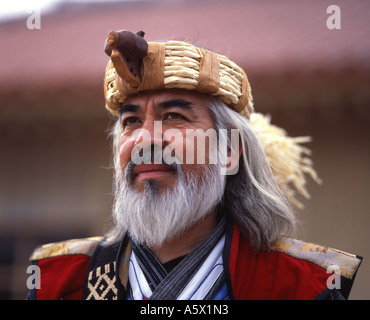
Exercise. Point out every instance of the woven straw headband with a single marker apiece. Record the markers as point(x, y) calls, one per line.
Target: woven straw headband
point(168, 65)
point(136, 65)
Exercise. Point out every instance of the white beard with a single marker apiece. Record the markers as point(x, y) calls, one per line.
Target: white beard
point(151, 217)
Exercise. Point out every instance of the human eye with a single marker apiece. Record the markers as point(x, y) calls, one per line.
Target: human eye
point(174, 116)
point(130, 121)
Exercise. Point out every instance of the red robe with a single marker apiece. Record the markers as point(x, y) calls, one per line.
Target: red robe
point(292, 269)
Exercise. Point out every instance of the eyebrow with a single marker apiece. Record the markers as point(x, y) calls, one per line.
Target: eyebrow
point(128, 108)
point(176, 103)
point(165, 105)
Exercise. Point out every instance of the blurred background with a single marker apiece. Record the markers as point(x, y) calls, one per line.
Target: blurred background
point(55, 156)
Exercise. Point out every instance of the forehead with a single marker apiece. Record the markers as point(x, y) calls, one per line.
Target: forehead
point(156, 97)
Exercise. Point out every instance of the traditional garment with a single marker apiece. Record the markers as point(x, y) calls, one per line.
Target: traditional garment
point(293, 269)
point(197, 276)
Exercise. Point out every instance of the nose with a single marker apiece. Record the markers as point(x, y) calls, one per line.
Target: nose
point(149, 143)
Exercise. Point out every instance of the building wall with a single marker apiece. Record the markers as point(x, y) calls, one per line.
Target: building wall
point(337, 215)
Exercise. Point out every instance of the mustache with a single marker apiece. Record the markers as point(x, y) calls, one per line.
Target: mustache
point(151, 155)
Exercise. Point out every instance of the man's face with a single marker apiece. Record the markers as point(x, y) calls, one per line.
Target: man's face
point(140, 117)
point(156, 200)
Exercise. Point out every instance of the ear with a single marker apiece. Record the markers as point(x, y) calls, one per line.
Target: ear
point(233, 155)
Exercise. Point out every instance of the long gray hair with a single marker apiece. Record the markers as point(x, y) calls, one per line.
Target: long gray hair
point(252, 197)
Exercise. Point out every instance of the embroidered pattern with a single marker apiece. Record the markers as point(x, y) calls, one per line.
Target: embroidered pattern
point(101, 283)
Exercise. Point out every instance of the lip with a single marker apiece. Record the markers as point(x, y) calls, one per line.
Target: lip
point(151, 170)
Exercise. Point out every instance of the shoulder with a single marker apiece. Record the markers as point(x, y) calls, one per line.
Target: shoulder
point(291, 269)
point(328, 259)
point(84, 246)
point(313, 270)
point(63, 267)
point(329, 268)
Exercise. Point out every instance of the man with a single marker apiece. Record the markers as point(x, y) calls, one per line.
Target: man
point(202, 191)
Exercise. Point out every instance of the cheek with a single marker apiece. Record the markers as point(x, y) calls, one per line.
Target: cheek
point(126, 144)
point(200, 149)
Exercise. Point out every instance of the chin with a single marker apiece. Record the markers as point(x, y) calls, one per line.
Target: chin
point(157, 185)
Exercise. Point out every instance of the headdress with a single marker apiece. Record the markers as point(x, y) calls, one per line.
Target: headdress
point(136, 65)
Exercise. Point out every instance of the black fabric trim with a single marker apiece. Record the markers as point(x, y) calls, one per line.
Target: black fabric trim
point(121, 291)
point(346, 284)
point(330, 294)
point(102, 256)
point(85, 291)
point(226, 257)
